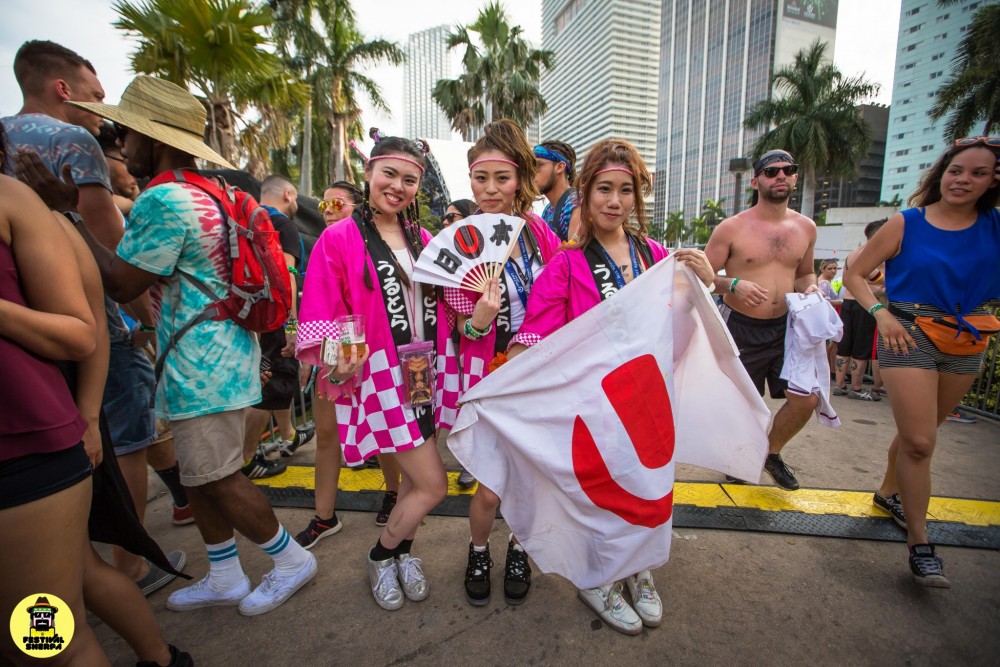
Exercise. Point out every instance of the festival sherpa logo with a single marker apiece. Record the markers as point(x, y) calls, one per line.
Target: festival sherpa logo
point(38, 628)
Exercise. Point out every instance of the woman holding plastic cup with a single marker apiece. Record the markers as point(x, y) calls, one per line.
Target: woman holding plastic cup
point(363, 266)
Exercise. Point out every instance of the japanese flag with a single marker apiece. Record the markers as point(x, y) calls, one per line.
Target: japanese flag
point(580, 434)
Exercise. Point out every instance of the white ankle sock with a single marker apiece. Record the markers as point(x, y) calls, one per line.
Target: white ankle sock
point(224, 569)
point(288, 555)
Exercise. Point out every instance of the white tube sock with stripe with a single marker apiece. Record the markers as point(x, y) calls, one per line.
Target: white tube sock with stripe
point(288, 555)
point(224, 569)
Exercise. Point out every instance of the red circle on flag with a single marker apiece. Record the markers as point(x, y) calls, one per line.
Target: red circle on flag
point(469, 242)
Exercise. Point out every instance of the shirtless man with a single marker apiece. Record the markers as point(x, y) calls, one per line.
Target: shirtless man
point(767, 251)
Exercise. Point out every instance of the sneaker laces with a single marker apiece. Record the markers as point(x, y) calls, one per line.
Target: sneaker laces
point(269, 581)
point(615, 600)
point(645, 589)
point(780, 464)
point(410, 569)
point(387, 578)
point(479, 563)
point(927, 564)
point(517, 565)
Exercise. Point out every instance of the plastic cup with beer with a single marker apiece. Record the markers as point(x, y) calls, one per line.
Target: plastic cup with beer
point(352, 332)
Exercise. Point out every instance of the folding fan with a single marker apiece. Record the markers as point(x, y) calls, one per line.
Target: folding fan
point(469, 253)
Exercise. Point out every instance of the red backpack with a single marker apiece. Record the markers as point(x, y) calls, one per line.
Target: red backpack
point(260, 292)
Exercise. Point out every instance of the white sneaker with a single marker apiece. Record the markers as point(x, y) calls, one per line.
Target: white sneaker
point(609, 604)
point(200, 594)
point(645, 598)
point(385, 583)
point(411, 577)
point(275, 588)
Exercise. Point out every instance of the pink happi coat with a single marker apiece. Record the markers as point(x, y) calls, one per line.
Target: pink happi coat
point(475, 355)
point(371, 417)
point(563, 292)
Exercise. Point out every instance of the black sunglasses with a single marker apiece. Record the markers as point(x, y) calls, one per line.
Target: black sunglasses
point(452, 217)
point(771, 172)
point(121, 131)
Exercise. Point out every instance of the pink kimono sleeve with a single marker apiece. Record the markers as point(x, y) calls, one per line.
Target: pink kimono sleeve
point(548, 307)
point(322, 299)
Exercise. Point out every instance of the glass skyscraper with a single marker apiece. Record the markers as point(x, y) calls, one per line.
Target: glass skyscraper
point(427, 60)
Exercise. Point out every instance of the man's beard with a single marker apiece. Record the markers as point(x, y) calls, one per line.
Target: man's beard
point(547, 188)
point(772, 197)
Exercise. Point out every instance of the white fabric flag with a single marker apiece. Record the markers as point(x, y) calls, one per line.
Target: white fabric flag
point(579, 435)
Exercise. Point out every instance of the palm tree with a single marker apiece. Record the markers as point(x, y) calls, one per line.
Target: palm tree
point(501, 78)
point(713, 212)
point(674, 228)
point(972, 92)
point(814, 116)
point(215, 46)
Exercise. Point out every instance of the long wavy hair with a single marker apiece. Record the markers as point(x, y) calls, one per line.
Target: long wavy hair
point(929, 190)
point(609, 153)
point(505, 136)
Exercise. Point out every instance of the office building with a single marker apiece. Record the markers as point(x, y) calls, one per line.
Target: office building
point(427, 60)
point(605, 80)
point(865, 187)
point(928, 39)
point(716, 62)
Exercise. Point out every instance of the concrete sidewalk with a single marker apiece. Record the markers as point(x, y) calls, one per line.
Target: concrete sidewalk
point(730, 597)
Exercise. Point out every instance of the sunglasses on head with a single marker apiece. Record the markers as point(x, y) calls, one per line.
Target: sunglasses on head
point(452, 217)
point(771, 172)
point(993, 142)
point(335, 204)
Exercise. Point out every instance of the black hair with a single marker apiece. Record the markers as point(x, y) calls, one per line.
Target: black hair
point(465, 206)
point(107, 137)
point(38, 61)
point(873, 227)
point(349, 188)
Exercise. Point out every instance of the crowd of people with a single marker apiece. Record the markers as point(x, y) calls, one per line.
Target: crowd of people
point(127, 330)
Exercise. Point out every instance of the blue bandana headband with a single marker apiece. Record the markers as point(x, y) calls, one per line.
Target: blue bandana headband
point(769, 158)
point(550, 155)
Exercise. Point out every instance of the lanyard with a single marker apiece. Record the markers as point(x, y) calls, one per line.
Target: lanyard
point(528, 276)
point(615, 271)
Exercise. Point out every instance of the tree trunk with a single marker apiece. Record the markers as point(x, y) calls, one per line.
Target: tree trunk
point(305, 165)
point(808, 192)
point(339, 166)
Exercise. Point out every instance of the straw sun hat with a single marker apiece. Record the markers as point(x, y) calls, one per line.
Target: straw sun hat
point(162, 111)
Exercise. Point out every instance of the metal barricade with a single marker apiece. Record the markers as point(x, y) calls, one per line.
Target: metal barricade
point(984, 396)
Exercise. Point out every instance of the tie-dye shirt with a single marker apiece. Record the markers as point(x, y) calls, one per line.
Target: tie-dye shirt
point(216, 365)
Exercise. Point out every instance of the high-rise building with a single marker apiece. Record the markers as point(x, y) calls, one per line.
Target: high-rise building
point(427, 60)
point(863, 188)
point(716, 62)
point(928, 39)
point(604, 81)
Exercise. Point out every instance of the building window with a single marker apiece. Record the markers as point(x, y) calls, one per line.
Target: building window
point(915, 10)
point(935, 75)
point(943, 17)
point(911, 47)
point(898, 186)
point(567, 15)
point(924, 165)
point(924, 149)
point(943, 35)
point(970, 7)
point(908, 66)
point(915, 28)
point(905, 151)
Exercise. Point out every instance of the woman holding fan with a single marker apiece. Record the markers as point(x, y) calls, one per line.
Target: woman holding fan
point(502, 169)
point(362, 266)
point(611, 253)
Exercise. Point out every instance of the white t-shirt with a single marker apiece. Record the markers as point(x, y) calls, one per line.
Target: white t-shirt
point(413, 295)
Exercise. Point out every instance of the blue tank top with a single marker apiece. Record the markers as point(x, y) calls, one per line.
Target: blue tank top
point(953, 270)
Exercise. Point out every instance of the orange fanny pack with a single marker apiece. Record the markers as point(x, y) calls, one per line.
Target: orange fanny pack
point(944, 333)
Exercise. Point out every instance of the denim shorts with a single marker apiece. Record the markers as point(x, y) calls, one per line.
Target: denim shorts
point(128, 399)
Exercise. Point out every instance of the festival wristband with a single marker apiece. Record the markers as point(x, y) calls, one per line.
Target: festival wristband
point(144, 328)
point(292, 326)
point(732, 285)
point(873, 309)
point(292, 270)
point(474, 334)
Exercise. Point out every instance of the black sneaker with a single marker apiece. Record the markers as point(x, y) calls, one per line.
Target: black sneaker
point(388, 502)
point(259, 467)
point(780, 473)
point(477, 576)
point(734, 480)
point(516, 575)
point(287, 447)
point(466, 480)
point(317, 530)
point(893, 506)
point(927, 566)
point(178, 658)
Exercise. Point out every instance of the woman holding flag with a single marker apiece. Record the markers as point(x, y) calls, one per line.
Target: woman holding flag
point(502, 169)
point(611, 252)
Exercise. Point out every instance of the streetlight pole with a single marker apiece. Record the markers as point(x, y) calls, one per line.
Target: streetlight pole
point(737, 166)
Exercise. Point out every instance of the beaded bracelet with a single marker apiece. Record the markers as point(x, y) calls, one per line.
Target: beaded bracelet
point(472, 333)
point(732, 285)
point(292, 270)
point(873, 309)
point(292, 326)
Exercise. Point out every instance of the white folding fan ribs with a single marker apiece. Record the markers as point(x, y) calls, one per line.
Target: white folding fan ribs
point(469, 253)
